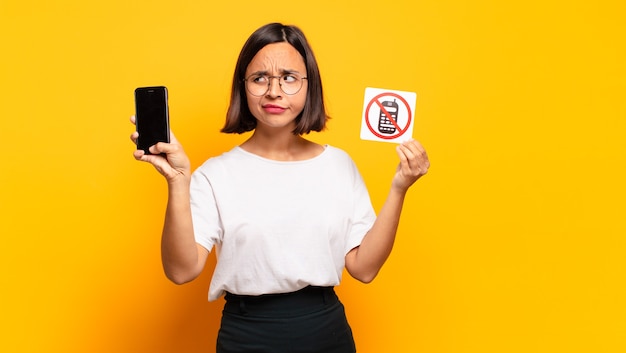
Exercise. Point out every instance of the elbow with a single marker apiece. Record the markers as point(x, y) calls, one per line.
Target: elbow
point(179, 278)
point(365, 277)
point(181, 272)
point(178, 281)
point(362, 272)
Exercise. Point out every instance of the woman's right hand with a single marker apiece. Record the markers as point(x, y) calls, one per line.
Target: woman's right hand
point(174, 165)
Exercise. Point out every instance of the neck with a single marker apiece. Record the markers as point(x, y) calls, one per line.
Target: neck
point(281, 147)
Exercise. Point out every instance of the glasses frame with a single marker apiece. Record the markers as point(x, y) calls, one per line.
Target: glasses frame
point(269, 83)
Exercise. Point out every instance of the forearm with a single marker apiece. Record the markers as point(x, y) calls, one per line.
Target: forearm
point(179, 252)
point(364, 262)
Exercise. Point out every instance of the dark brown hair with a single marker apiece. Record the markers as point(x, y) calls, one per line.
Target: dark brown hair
point(313, 117)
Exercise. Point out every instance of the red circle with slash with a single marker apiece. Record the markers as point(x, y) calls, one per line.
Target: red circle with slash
point(400, 130)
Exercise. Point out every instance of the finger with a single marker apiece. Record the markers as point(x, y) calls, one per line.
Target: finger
point(421, 151)
point(155, 150)
point(417, 150)
point(162, 147)
point(134, 136)
point(415, 155)
point(409, 150)
point(404, 159)
point(153, 157)
point(422, 155)
point(139, 154)
point(406, 154)
point(413, 145)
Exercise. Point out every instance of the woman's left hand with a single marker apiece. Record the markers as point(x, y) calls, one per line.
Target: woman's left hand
point(413, 164)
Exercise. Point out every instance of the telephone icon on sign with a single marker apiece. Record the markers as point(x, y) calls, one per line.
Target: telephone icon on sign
point(385, 125)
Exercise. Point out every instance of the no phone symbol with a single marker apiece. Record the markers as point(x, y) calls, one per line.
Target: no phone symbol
point(388, 116)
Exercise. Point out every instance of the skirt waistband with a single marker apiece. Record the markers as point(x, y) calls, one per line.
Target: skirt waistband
point(306, 300)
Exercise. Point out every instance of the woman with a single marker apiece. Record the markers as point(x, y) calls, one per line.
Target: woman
point(286, 215)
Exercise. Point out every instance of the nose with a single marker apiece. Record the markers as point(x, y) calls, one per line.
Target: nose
point(273, 90)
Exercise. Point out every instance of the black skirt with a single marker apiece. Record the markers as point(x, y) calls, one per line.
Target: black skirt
point(310, 320)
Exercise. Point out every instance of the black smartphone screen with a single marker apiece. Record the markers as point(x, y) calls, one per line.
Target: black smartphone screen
point(152, 116)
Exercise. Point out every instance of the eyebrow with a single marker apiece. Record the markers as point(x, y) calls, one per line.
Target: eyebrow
point(282, 72)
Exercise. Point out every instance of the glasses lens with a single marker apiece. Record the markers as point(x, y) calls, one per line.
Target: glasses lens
point(290, 84)
point(259, 85)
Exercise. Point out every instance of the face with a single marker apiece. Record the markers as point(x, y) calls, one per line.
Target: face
point(275, 108)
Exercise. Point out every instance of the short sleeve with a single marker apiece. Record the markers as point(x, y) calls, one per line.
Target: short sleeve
point(363, 216)
point(207, 226)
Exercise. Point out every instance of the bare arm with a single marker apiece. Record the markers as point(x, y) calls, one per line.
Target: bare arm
point(364, 261)
point(183, 259)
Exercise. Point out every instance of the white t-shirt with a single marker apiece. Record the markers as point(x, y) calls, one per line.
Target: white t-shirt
point(278, 226)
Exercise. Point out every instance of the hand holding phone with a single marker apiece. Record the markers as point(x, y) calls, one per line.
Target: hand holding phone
point(152, 124)
point(152, 116)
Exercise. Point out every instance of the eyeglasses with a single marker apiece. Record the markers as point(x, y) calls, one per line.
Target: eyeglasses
point(257, 85)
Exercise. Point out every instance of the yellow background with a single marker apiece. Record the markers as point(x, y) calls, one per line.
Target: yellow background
point(514, 242)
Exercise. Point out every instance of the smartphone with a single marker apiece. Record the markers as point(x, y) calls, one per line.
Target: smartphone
point(385, 126)
point(151, 116)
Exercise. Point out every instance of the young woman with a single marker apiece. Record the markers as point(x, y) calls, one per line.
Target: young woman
point(285, 215)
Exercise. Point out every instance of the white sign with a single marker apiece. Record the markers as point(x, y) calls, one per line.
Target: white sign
point(387, 115)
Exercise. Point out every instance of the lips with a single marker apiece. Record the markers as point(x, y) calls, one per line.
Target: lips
point(273, 109)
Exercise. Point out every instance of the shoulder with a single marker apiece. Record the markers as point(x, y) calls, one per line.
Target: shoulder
point(337, 153)
point(340, 160)
point(339, 156)
point(226, 160)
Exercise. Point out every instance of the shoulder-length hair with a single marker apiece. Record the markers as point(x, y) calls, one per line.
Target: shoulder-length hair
point(313, 117)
